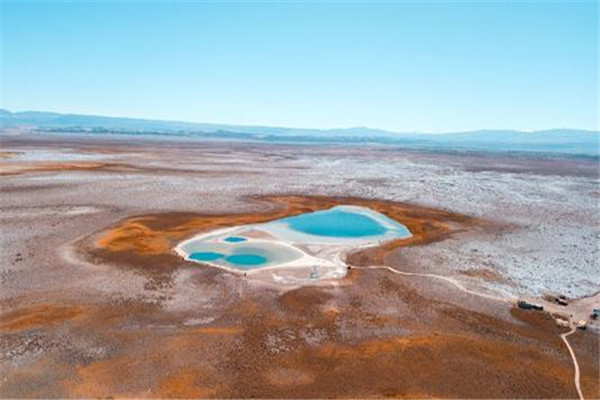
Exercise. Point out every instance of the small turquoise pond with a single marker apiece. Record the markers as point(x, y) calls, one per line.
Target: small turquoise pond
point(337, 223)
point(246, 259)
point(206, 256)
point(235, 239)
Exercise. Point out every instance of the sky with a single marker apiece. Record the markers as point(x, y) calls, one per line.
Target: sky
point(404, 66)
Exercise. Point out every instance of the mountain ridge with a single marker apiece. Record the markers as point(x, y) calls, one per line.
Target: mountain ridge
point(570, 141)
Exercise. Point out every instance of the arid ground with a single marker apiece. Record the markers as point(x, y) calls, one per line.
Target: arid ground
point(96, 304)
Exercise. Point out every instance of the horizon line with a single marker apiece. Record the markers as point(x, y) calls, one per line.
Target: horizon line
point(259, 125)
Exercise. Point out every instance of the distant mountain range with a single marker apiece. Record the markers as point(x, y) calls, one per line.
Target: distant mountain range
point(566, 141)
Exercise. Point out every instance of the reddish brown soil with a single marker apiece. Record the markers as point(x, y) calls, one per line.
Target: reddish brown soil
point(484, 273)
point(587, 348)
point(451, 354)
point(375, 335)
point(18, 168)
point(40, 315)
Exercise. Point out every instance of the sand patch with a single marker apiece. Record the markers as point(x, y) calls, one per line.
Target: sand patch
point(216, 330)
point(8, 154)
point(185, 384)
point(289, 377)
point(488, 275)
point(38, 316)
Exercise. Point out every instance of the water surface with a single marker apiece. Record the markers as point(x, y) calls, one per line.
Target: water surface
point(206, 256)
point(336, 222)
point(246, 259)
point(235, 239)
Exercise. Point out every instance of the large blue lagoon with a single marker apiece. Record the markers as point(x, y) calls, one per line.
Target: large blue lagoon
point(341, 222)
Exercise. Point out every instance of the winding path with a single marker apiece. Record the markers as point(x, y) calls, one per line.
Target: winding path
point(564, 339)
point(452, 281)
point(459, 286)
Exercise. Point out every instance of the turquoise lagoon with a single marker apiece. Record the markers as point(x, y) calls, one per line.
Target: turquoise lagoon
point(205, 256)
point(345, 226)
point(246, 255)
point(341, 225)
point(247, 260)
point(235, 239)
point(343, 222)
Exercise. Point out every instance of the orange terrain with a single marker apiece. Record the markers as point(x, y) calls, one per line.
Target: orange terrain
point(372, 334)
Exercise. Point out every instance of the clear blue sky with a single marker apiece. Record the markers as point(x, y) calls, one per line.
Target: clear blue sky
point(402, 66)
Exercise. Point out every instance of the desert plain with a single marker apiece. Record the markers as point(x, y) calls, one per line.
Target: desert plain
point(95, 303)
